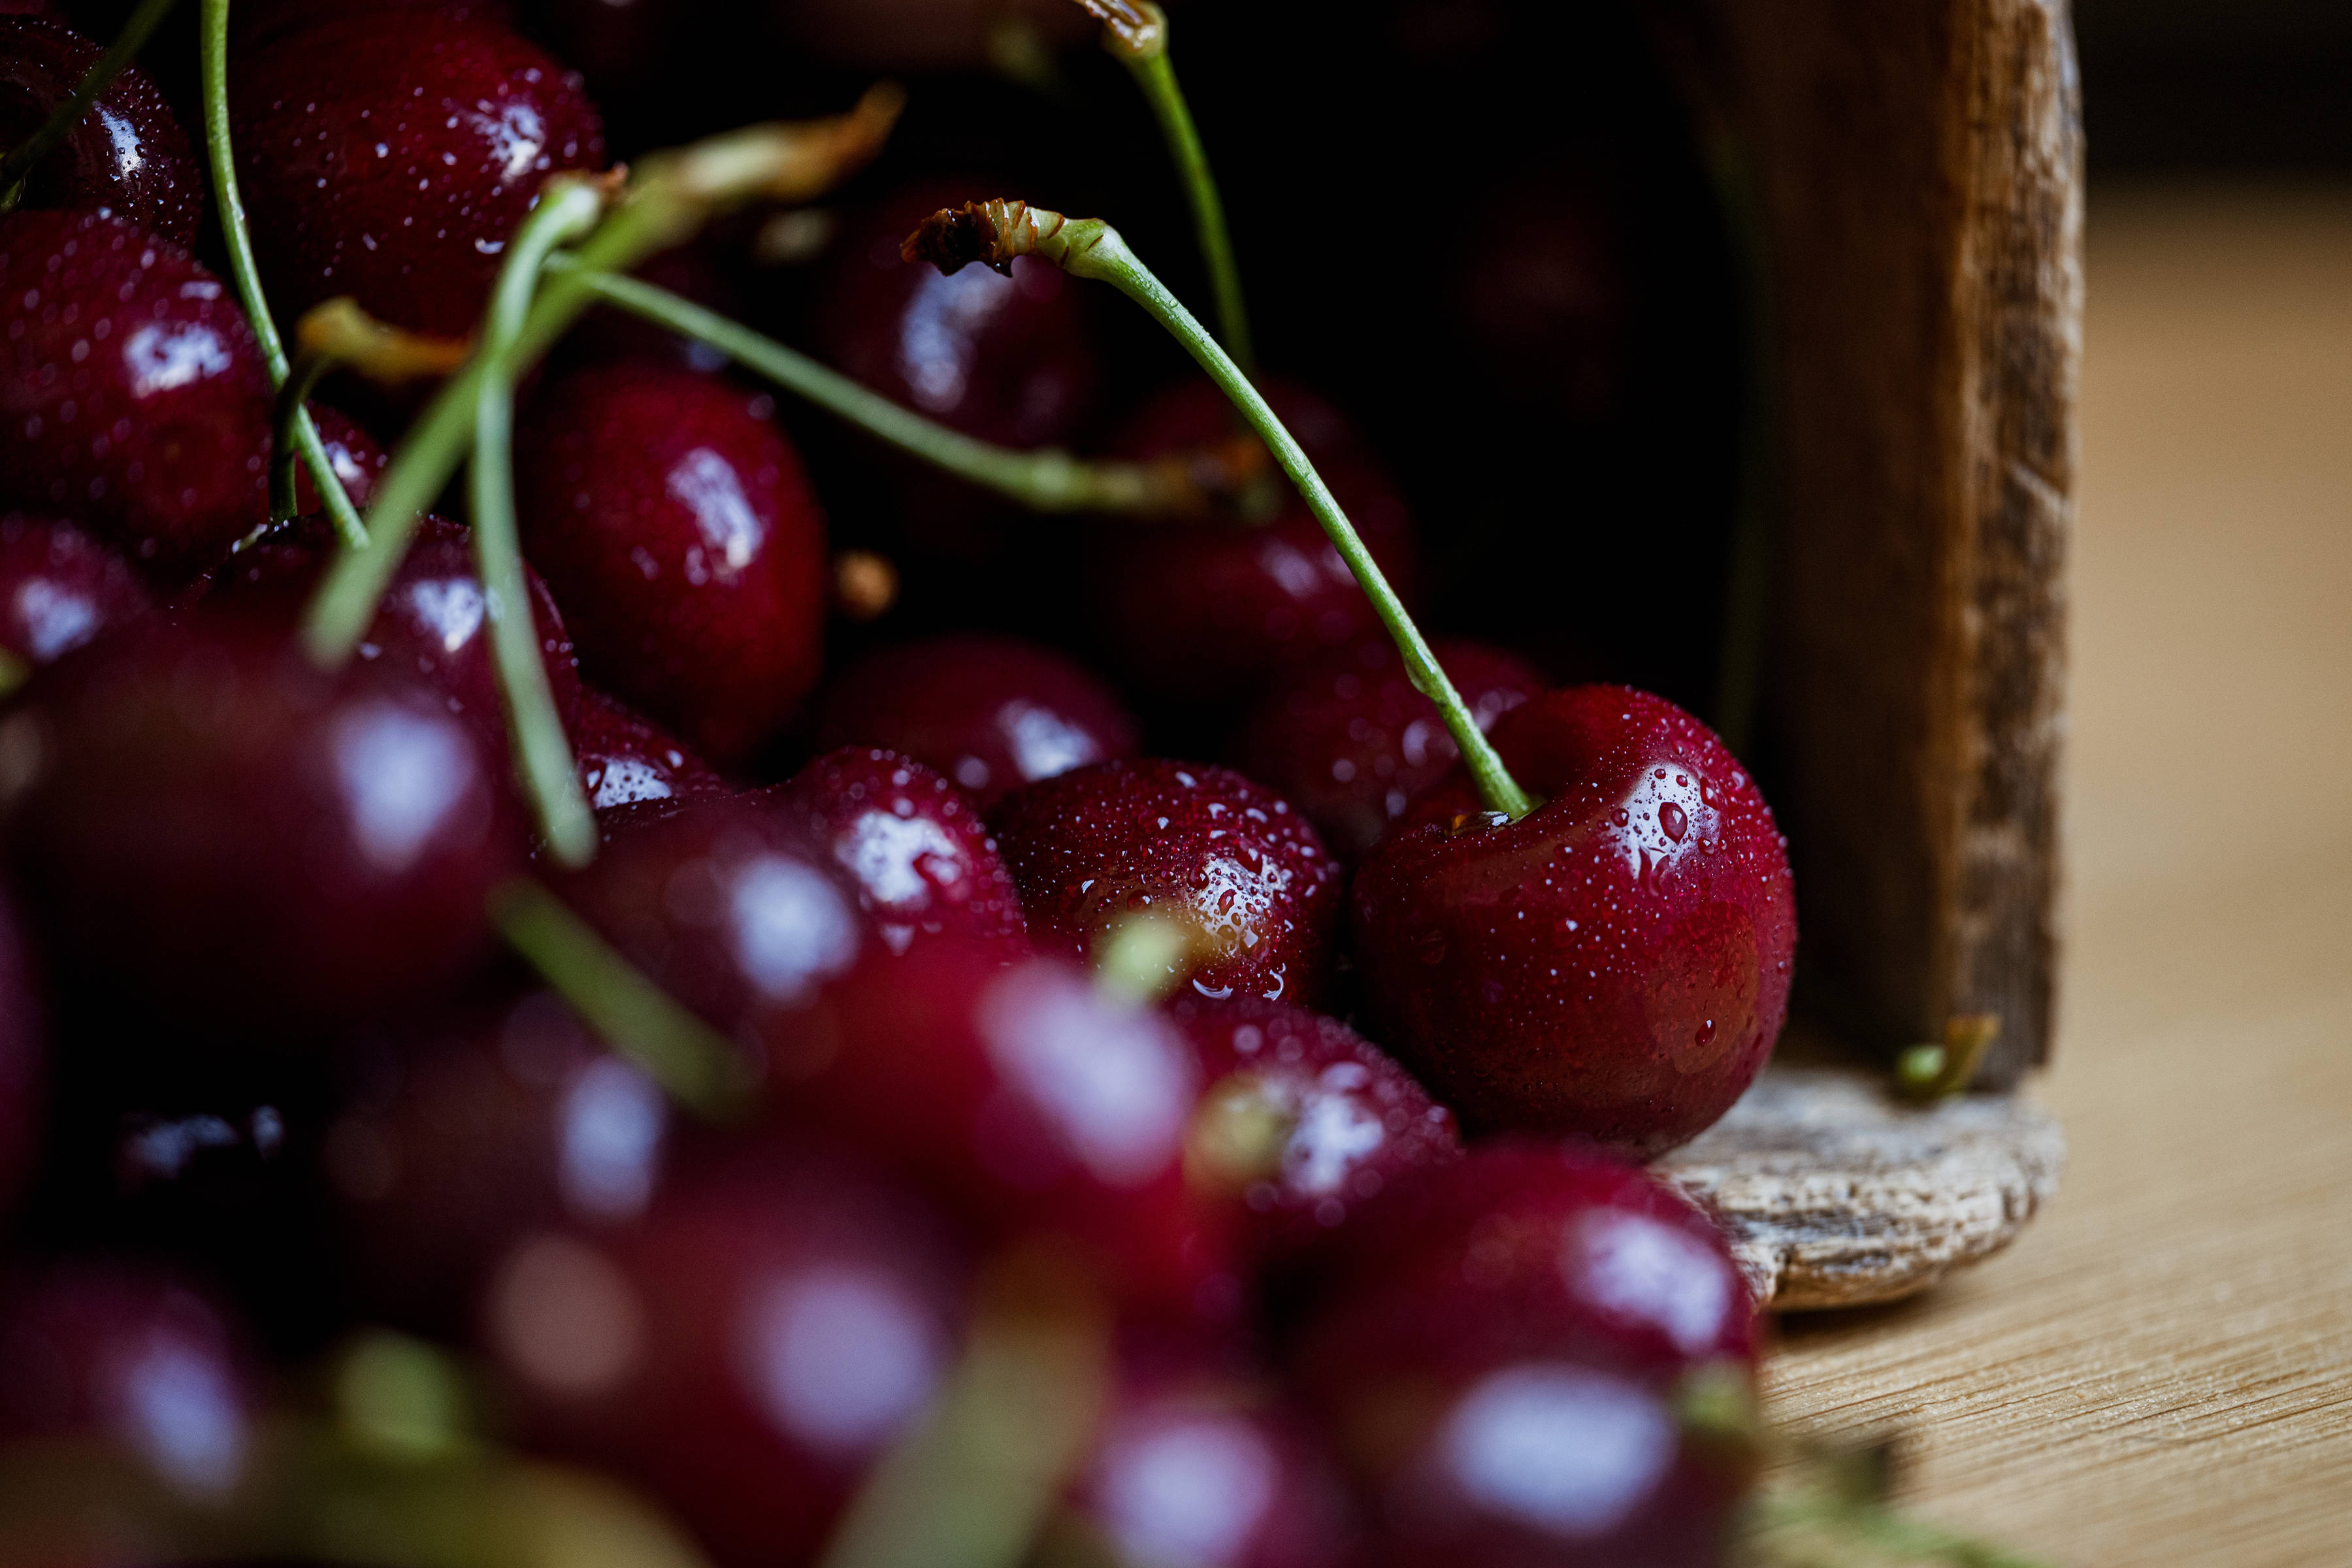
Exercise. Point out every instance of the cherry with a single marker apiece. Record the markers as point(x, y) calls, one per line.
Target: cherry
point(205, 823)
point(1207, 609)
point(1499, 1356)
point(468, 1132)
point(745, 1349)
point(993, 713)
point(674, 523)
point(135, 1356)
point(725, 904)
point(22, 1058)
point(910, 847)
point(1205, 1471)
point(1349, 740)
point(1025, 1099)
point(127, 158)
point(59, 588)
point(1200, 844)
point(387, 157)
point(1304, 1120)
point(1615, 964)
point(625, 759)
point(432, 625)
point(1004, 359)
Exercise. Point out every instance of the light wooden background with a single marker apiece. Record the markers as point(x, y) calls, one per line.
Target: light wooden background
point(2160, 1372)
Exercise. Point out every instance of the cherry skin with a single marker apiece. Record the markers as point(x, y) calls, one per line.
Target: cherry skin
point(1026, 1100)
point(910, 847)
point(1199, 844)
point(675, 525)
point(468, 1132)
point(220, 831)
point(1304, 1120)
point(744, 1350)
point(431, 626)
point(1204, 610)
point(59, 588)
point(1498, 1357)
point(991, 714)
point(134, 1355)
point(127, 157)
point(1350, 741)
point(1616, 963)
point(388, 157)
point(626, 759)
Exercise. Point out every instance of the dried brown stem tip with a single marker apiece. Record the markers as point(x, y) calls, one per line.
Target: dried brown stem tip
point(1138, 28)
point(994, 232)
point(340, 334)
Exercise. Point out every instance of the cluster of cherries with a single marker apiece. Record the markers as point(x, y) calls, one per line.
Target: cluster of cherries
point(250, 973)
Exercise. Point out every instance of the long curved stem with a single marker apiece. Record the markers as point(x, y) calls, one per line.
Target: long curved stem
point(17, 167)
point(222, 153)
point(568, 208)
point(284, 445)
point(1045, 480)
point(998, 231)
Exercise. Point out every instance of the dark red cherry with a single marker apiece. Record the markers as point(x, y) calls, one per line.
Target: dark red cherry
point(127, 158)
point(674, 523)
point(1199, 844)
point(1615, 965)
point(358, 462)
point(24, 1054)
point(626, 759)
point(1206, 1470)
point(1004, 359)
point(59, 588)
point(431, 626)
point(467, 1132)
point(1304, 1120)
point(388, 156)
point(726, 904)
point(744, 1350)
point(205, 823)
point(910, 847)
point(991, 714)
point(1348, 740)
point(1024, 1098)
point(1207, 609)
point(134, 1356)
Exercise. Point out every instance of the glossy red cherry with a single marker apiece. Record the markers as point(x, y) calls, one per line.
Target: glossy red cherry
point(465, 1133)
point(1207, 1471)
point(388, 157)
point(431, 626)
point(1304, 1120)
point(1196, 843)
point(1348, 740)
point(215, 828)
point(1616, 963)
point(724, 903)
point(1207, 609)
point(626, 759)
point(675, 526)
point(59, 588)
point(744, 1350)
point(127, 158)
point(993, 713)
point(1026, 1100)
point(910, 847)
point(134, 1356)
point(1498, 1357)
point(24, 1054)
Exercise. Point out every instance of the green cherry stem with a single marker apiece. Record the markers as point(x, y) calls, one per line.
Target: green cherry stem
point(669, 196)
point(1136, 31)
point(697, 1066)
point(222, 155)
point(998, 231)
point(1045, 479)
point(17, 167)
point(569, 206)
point(285, 433)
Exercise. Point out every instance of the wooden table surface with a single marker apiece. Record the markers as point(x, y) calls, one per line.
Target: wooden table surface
point(2161, 1370)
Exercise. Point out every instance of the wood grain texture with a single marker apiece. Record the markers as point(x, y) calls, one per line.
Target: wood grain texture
point(2161, 1371)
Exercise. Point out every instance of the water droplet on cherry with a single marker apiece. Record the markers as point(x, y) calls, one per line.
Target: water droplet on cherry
point(1674, 821)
